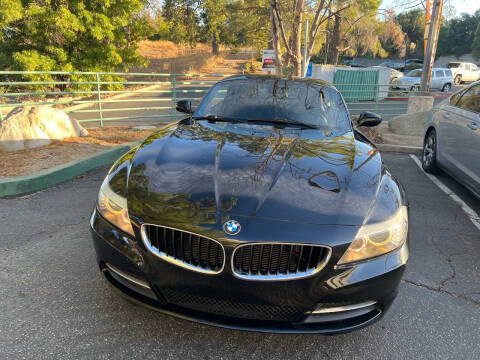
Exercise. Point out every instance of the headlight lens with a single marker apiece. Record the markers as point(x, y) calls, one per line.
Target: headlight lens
point(378, 238)
point(113, 207)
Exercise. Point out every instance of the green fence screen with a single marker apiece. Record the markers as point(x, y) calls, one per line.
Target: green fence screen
point(357, 85)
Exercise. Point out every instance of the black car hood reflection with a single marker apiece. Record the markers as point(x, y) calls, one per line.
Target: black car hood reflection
point(205, 173)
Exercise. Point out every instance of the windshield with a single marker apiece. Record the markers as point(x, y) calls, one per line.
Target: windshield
point(278, 100)
point(453, 65)
point(415, 73)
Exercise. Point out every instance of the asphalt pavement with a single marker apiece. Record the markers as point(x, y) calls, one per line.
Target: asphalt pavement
point(56, 305)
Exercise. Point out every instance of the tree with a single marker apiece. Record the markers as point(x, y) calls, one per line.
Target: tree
point(393, 40)
point(248, 23)
point(413, 25)
point(476, 44)
point(73, 35)
point(227, 22)
point(183, 19)
point(318, 12)
point(214, 17)
point(354, 29)
point(457, 34)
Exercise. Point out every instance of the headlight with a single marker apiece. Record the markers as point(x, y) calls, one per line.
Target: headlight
point(377, 239)
point(385, 228)
point(113, 207)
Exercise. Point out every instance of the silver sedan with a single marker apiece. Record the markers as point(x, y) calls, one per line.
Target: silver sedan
point(452, 138)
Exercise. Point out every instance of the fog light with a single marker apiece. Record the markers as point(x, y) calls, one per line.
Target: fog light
point(337, 309)
point(129, 281)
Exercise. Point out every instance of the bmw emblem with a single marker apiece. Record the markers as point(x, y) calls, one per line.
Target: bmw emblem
point(232, 227)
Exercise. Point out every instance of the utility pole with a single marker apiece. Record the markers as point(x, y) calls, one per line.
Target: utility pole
point(432, 44)
point(428, 19)
point(305, 46)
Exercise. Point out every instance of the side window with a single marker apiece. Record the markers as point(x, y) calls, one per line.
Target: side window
point(467, 66)
point(470, 100)
point(448, 72)
point(455, 97)
point(474, 67)
point(439, 73)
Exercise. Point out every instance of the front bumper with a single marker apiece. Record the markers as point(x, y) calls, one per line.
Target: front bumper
point(404, 87)
point(332, 301)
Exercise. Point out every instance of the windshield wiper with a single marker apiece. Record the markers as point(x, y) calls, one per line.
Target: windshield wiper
point(219, 118)
point(241, 120)
point(284, 122)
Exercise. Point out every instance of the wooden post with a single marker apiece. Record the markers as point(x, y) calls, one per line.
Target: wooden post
point(432, 44)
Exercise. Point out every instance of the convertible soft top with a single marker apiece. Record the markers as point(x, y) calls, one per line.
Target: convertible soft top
point(272, 77)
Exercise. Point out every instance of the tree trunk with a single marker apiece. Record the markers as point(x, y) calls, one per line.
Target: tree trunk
point(276, 40)
point(335, 40)
point(215, 49)
point(296, 36)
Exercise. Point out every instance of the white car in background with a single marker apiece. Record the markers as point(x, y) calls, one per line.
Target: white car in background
point(464, 72)
point(394, 74)
point(392, 65)
point(442, 79)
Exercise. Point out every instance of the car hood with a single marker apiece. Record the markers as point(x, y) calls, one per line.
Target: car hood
point(206, 173)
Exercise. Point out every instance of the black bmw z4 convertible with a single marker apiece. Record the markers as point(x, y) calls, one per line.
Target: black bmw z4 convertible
point(264, 209)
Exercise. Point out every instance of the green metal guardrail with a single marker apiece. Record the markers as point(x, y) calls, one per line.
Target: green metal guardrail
point(109, 96)
point(101, 96)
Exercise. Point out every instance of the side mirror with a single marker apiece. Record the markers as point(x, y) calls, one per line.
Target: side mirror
point(369, 119)
point(184, 106)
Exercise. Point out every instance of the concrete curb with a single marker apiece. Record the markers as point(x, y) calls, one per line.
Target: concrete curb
point(417, 150)
point(53, 176)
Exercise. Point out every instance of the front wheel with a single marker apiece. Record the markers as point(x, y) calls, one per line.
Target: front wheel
point(447, 87)
point(458, 80)
point(429, 156)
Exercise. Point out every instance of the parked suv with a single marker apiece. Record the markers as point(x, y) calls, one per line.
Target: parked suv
point(464, 72)
point(441, 79)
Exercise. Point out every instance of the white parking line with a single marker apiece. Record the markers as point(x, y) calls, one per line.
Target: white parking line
point(472, 215)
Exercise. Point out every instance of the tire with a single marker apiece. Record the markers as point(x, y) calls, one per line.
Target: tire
point(447, 87)
point(458, 79)
point(415, 88)
point(429, 154)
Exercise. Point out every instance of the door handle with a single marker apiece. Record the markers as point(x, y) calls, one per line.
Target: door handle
point(472, 126)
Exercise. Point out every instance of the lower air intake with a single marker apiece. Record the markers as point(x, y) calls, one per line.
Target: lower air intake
point(229, 308)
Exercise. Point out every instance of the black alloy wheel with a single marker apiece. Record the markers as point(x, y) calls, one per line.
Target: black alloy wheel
point(429, 156)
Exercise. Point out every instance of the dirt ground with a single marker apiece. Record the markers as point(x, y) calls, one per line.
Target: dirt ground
point(31, 161)
point(372, 134)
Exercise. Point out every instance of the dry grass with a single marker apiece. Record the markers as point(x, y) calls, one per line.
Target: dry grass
point(167, 57)
point(162, 49)
point(31, 161)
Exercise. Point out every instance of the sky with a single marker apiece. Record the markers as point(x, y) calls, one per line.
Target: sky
point(452, 8)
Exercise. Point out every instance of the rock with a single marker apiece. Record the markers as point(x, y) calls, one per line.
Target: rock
point(33, 126)
point(409, 124)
